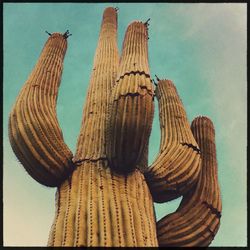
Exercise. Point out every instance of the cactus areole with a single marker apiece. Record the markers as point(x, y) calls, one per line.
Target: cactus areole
point(106, 191)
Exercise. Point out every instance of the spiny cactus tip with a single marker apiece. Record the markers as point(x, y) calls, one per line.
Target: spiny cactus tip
point(146, 23)
point(47, 32)
point(66, 34)
point(157, 78)
point(154, 82)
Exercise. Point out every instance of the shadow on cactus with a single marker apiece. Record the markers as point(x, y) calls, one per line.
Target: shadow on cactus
point(106, 191)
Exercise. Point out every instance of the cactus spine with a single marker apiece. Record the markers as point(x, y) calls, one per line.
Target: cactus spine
point(105, 193)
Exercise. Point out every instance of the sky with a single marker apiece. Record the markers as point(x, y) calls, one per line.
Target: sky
point(201, 47)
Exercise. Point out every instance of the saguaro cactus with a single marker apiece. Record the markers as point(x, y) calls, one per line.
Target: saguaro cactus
point(106, 192)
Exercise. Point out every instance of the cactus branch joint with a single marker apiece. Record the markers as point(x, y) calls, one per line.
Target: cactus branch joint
point(106, 191)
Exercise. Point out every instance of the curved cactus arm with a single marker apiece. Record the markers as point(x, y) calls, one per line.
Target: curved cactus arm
point(197, 219)
point(177, 165)
point(34, 131)
point(130, 115)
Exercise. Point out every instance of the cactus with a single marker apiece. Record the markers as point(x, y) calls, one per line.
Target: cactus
point(34, 131)
point(105, 193)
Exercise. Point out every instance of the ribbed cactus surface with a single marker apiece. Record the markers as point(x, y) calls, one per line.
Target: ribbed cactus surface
point(96, 207)
point(130, 112)
point(105, 193)
point(34, 132)
point(177, 166)
point(197, 219)
point(102, 80)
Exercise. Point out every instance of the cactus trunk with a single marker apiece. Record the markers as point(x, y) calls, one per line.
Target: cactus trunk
point(96, 207)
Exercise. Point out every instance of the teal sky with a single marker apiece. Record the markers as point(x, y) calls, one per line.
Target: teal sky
point(200, 47)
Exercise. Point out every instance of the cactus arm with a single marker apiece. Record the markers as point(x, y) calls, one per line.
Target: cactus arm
point(34, 132)
point(197, 219)
point(102, 79)
point(177, 166)
point(130, 115)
